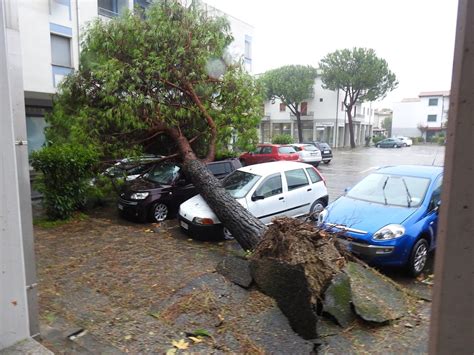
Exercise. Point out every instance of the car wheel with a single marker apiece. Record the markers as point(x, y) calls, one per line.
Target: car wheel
point(404, 144)
point(327, 162)
point(227, 234)
point(159, 212)
point(418, 257)
point(316, 165)
point(377, 146)
point(316, 208)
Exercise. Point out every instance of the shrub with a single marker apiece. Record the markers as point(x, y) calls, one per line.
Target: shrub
point(377, 139)
point(418, 140)
point(226, 154)
point(441, 139)
point(282, 139)
point(66, 174)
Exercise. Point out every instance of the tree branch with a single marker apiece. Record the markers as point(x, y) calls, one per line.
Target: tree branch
point(211, 153)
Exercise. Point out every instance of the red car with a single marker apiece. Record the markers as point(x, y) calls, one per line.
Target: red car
point(269, 152)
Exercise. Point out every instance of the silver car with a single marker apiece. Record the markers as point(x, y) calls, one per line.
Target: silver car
point(308, 153)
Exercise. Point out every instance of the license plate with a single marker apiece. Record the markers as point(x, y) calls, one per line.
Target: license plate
point(184, 225)
point(120, 207)
point(313, 154)
point(326, 152)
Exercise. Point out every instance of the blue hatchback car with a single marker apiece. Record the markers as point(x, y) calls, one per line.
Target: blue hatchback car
point(390, 217)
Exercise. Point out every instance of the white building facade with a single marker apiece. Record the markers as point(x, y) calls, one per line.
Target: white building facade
point(323, 119)
point(429, 110)
point(50, 32)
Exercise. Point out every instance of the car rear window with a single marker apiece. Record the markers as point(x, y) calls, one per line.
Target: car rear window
point(295, 179)
point(310, 148)
point(324, 146)
point(219, 168)
point(286, 150)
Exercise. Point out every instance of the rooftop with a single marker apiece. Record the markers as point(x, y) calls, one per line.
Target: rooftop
point(273, 167)
point(433, 93)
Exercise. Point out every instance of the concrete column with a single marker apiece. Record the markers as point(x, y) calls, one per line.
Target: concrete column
point(14, 322)
point(452, 316)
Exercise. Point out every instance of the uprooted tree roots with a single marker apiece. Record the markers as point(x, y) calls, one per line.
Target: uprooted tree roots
point(305, 270)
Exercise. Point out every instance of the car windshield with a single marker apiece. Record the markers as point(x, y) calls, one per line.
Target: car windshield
point(163, 174)
point(310, 148)
point(394, 190)
point(239, 183)
point(286, 150)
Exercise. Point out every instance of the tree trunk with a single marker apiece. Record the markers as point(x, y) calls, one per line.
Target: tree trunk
point(300, 130)
point(245, 227)
point(351, 126)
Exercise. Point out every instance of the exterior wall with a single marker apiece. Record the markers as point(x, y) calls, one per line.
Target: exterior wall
point(408, 114)
point(324, 110)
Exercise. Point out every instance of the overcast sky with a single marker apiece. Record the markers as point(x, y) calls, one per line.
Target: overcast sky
point(416, 37)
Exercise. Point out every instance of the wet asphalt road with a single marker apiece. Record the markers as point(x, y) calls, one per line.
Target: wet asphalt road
point(349, 166)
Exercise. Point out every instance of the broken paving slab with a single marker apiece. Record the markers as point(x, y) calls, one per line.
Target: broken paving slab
point(236, 270)
point(374, 299)
point(337, 300)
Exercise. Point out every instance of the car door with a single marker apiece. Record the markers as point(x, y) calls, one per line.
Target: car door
point(299, 194)
point(318, 187)
point(268, 200)
point(431, 224)
point(266, 155)
point(182, 190)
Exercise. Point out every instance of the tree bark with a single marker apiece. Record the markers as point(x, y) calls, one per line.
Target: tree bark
point(245, 227)
point(300, 130)
point(351, 126)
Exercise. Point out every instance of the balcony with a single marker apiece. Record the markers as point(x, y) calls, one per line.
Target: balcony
point(304, 116)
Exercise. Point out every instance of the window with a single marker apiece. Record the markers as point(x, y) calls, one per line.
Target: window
point(304, 108)
point(296, 179)
point(433, 102)
point(111, 8)
point(219, 168)
point(266, 150)
point(248, 49)
point(432, 118)
point(436, 196)
point(321, 99)
point(239, 183)
point(61, 51)
point(35, 127)
point(270, 187)
point(286, 150)
point(282, 107)
point(313, 175)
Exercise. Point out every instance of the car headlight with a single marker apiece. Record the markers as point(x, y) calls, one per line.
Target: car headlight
point(199, 220)
point(322, 216)
point(139, 195)
point(388, 232)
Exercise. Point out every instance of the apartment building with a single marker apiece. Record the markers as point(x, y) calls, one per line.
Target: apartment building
point(323, 118)
point(429, 110)
point(50, 32)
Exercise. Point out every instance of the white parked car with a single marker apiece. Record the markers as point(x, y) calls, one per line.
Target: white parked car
point(407, 142)
point(267, 190)
point(308, 153)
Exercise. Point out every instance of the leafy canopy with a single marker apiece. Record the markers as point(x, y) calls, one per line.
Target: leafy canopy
point(144, 76)
point(291, 84)
point(359, 73)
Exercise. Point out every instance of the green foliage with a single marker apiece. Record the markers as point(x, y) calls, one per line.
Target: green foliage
point(358, 72)
point(417, 140)
point(66, 172)
point(137, 77)
point(387, 124)
point(291, 84)
point(282, 139)
point(47, 224)
point(377, 139)
point(226, 154)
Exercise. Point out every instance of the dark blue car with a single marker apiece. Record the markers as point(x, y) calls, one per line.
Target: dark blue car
point(390, 217)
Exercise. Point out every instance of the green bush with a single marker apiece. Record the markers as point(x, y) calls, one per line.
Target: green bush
point(226, 154)
point(441, 139)
point(417, 140)
point(282, 139)
point(377, 139)
point(66, 175)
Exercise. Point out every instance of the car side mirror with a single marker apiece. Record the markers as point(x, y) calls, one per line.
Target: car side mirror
point(438, 205)
point(257, 197)
point(347, 189)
